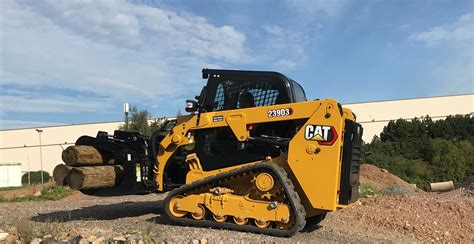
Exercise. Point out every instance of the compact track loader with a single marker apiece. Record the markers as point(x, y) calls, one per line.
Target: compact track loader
point(253, 155)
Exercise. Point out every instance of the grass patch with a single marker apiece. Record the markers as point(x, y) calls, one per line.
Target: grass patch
point(54, 192)
point(367, 190)
point(10, 188)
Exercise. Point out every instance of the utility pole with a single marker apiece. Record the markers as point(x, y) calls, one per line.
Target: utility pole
point(28, 165)
point(41, 154)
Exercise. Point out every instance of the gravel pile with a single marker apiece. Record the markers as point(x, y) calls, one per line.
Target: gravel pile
point(380, 178)
point(447, 217)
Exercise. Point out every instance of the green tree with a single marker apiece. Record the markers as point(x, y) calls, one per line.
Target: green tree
point(423, 151)
point(138, 121)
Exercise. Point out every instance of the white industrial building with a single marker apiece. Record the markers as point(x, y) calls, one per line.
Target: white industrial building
point(23, 145)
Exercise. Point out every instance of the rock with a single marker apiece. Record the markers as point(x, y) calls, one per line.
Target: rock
point(384, 170)
point(36, 241)
point(10, 239)
point(195, 241)
point(91, 238)
point(135, 239)
point(3, 236)
point(37, 194)
point(79, 240)
point(99, 240)
point(158, 239)
point(203, 241)
point(119, 238)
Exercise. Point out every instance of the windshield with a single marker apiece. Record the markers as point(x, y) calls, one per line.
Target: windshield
point(298, 91)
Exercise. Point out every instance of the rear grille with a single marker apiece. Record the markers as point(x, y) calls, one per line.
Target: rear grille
point(351, 158)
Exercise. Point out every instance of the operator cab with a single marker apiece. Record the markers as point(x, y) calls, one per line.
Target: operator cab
point(236, 89)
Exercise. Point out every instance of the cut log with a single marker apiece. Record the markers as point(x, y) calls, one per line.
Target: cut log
point(94, 177)
point(60, 173)
point(442, 186)
point(82, 156)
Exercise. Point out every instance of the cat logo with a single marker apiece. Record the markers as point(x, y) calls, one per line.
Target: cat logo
point(323, 134)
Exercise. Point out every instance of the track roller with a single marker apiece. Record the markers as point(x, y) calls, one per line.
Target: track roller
point(261, 223)
point(219, 218)
point(240, 220)
point(199, 213)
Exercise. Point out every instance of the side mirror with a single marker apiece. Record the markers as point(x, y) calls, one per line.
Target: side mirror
point(191, 106)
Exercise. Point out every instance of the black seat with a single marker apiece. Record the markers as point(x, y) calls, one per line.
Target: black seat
point(246, 100)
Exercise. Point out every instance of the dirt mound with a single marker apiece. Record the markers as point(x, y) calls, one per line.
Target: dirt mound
point(380, 178)
point(76, 195)
point(447, 217)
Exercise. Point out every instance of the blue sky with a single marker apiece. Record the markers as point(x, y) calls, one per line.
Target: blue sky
point(65, 62)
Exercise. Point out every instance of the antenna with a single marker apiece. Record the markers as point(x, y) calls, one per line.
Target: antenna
point(126, 109)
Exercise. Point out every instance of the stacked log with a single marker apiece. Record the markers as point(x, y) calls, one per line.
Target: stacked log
point(60, 173)
point(85, 156)
point(87, 168)
point(94, 177)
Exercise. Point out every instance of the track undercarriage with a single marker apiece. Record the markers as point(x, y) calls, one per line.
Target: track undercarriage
point(259, 198)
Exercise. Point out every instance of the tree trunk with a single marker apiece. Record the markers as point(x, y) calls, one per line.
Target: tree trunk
point(94, 177)
point(82, 156)
point(60, 173)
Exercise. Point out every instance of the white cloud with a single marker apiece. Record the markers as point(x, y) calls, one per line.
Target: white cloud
point(113, 49)
point(460, 30)
point(454, 73)
point(292, 44)
point(125, 24)
point(116, 51)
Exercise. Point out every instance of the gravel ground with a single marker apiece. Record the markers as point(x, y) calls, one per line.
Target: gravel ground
point(117, 216)
point(416, 217)
point(429, 217)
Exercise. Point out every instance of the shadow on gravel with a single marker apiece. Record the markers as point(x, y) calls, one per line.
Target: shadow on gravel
point(103, 212)
point(310, 228)
point(159, 219)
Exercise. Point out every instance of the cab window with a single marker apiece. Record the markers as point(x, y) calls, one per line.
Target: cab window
point(235, 94)
point(298, 91)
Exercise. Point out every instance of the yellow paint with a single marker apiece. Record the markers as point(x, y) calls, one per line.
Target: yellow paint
point(233, 206)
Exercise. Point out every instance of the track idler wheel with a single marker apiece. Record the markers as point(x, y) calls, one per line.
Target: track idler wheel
point(264, 182)
point(240, 220)
point(174, 205)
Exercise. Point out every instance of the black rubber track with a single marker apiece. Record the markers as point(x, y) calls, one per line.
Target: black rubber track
point(295, 203)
